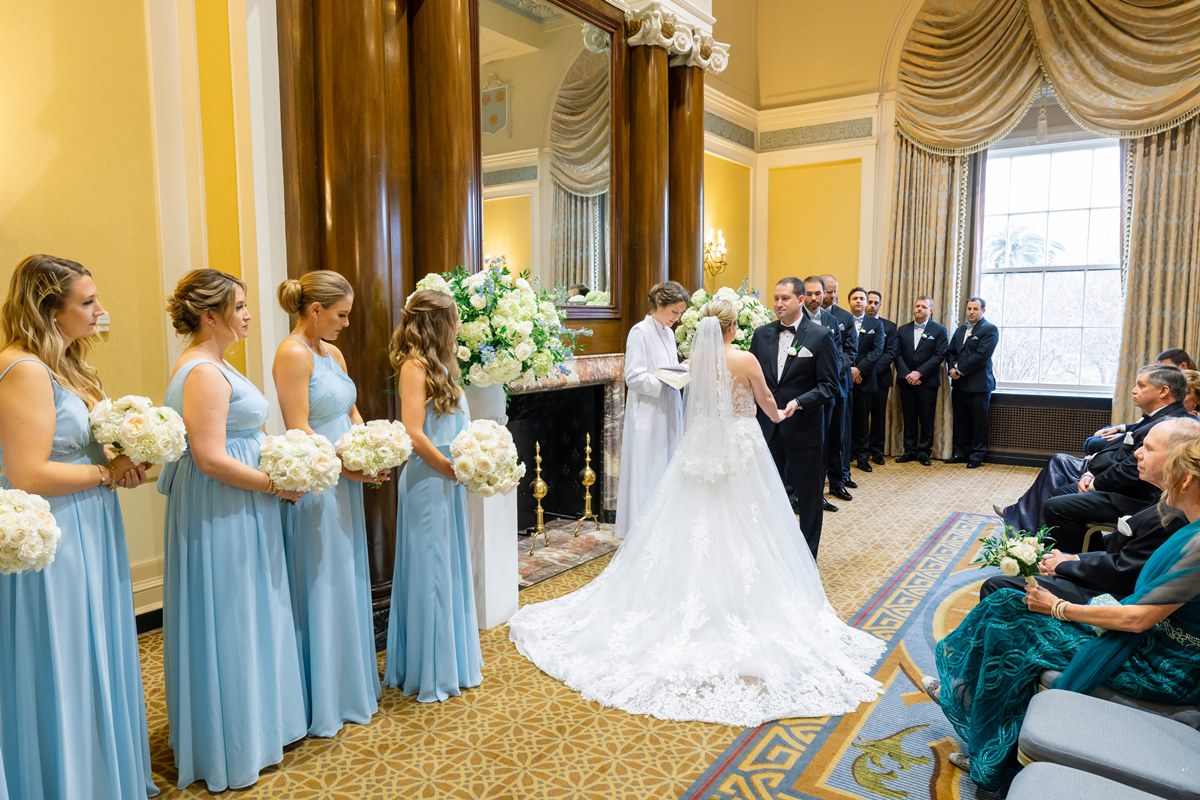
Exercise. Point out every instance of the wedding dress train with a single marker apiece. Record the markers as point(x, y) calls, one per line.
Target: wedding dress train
point(712, 608)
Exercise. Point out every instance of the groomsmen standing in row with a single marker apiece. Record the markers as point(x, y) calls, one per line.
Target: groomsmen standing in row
point(814, 295)
point(971, 384)
point(837, 464)
point(884, 378)
point(922, 350)
point(864, 374)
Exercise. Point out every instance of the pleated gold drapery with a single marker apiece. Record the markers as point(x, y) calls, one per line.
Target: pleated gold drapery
point(1128, 68)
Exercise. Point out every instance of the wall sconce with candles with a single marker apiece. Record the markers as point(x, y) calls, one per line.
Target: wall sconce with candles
point(714, 253)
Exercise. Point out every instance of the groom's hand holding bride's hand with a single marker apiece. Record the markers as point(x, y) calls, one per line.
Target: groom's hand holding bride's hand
point(787, 411)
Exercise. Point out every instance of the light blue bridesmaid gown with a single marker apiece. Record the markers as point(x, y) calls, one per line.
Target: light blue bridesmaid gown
point(433, 633)
point(232, 668)
point(72, 710)
point(325, 537)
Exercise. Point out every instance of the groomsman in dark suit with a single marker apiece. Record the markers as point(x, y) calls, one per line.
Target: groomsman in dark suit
point(864, 374)
point(922, 349)
point(799, 363)
point(837, 440)
point(813, 309)
point(884, 378)
point(971, 384)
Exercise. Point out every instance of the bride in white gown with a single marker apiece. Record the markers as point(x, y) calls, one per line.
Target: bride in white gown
point(712, 608)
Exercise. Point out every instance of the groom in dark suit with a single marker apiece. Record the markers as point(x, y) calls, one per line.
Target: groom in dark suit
point(922, 349)
point(800, 364)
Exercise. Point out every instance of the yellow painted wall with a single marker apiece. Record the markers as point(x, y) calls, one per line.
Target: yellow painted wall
point(727, 207)
point(508, 230)
point(77, 179)
point(813, 221)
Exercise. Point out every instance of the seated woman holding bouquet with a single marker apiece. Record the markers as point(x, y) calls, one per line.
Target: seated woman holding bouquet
point(1148, 647)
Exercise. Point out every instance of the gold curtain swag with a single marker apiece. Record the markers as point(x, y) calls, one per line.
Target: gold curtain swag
point(970, 70)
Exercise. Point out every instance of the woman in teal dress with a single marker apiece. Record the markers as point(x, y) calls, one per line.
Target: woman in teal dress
point(988, 667)
point(234, 696)
point(72, 710)
point(433, 634)
point(325, 535)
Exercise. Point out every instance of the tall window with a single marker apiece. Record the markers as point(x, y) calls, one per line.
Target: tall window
point(1049, 264)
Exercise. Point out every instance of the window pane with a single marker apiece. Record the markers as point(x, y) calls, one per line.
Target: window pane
point(1106, 180)
point(1018, 357)
point(1067, 237)
point(1062, 299)
point(1059, 355)
point(1026, 242)
point(1030, 184)
point(1103, 305)
point(1104, 237)
point(1100, 356)
point(991, 289)
point(995, 186)
point(1071, 179)
point(995, 238)
point(1023, 299)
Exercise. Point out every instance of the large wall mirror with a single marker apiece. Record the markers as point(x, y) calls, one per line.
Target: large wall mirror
point(550, 140)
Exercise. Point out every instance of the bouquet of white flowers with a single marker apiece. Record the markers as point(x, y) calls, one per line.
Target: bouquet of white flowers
point(751, 314)
point(1015, 552)
point(300, 462)
point(485, 459)
point(141, 430)
point(374, 447)
point(509, 330)
point(29, 533)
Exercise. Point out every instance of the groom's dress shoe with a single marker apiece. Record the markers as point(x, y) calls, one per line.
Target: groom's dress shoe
point(955, 460)
point(828, 505)
point(840, 493)
point(924, 461)
point(906, 458)
point(974, 464)
point(864, 465)
point(878, 460)
point(850, 484)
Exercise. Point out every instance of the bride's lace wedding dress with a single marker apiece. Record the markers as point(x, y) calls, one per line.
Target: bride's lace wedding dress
point(712, 608)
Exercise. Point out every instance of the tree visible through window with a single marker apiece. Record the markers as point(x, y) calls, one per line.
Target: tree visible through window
point(1049, 264)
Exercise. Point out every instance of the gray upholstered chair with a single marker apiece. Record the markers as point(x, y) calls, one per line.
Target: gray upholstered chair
point(1188, 715)
point(1141, 750)
point(1042, 780)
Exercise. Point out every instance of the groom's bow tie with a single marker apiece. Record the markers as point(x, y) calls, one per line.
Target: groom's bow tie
point(791, 328)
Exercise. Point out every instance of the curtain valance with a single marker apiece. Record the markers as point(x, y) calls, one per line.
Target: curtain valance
point(970, 70)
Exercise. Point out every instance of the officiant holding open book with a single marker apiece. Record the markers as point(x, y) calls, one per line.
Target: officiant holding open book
point(653, 409)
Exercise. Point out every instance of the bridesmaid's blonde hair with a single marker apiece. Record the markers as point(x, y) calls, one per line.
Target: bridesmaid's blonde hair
point(40, 286)
point(323, 286)
point(724, 310)
point(428, 335)
point(199, 291)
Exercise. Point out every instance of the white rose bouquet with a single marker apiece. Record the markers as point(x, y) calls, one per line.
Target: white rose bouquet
point(751, 314)
point(1015, 552)
point(29, 533)
point(510, 331)
point(300, 462)
point(372, 448)
point(144, 432)
point(485, 459)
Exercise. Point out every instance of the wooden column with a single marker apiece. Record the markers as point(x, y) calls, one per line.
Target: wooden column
point(685, 215)
point(648, 167)
point(447, 185)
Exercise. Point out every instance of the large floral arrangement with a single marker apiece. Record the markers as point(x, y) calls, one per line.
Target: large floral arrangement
point(510, 331)
point(374, 447)
point(136, 427)
point(485, 459)
point(1015, 552)
point(29, 533)
point(300, 462)
point(751, 314)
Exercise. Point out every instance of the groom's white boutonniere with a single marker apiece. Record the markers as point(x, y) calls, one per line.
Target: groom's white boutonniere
point(924, 335)
point(791, 351)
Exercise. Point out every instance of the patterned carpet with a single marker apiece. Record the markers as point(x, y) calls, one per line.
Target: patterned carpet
point(523, 736)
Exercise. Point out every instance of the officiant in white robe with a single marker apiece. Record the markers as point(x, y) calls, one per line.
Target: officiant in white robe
point(653, 410)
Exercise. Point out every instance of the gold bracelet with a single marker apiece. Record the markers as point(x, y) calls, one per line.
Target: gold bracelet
point(1056, 610)
point(107, 478)
point(272, 489)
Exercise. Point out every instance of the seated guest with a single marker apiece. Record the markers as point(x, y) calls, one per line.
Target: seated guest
point(1079, 578)
point(1110, 487)
point(988, 667)
point(1175, 356)
point(1064, 469)
point(1191, 400)
point(580, 289)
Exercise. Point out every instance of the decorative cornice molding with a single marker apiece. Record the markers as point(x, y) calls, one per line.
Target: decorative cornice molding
point(655, 27)
point(729, 131)
point(532, 9)
point(725, 106)
point(822, 133)
point(501, 177)
point(709, 55)
point(511, 160)
point(693, 13)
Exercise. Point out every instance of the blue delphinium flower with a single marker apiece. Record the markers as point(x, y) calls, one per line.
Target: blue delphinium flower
point(487, 353)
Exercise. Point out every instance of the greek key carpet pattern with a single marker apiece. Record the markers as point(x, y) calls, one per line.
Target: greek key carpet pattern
point(522, 735)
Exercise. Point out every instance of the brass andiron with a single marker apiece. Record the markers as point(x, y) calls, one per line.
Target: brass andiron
point(587, 478)
point(538, 489)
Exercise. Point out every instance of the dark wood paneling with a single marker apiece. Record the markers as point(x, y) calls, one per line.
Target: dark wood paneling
point(685, 220)
point(648, 165)
point(301, 185)
point(608, 335)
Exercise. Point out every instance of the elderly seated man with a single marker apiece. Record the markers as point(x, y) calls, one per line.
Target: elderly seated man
point(1158, 392)
point(1079, 578)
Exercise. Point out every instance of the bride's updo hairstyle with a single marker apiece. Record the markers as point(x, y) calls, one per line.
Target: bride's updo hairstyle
point(724, 310)
point(199, 291)
point(322, 286)
point(428, 334)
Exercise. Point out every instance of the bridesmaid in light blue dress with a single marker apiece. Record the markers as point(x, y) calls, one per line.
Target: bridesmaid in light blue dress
point(72, 710)
point(433, 635)
point(325, 535)
point(234, 696)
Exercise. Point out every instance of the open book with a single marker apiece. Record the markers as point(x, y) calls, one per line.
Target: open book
point(675, 377)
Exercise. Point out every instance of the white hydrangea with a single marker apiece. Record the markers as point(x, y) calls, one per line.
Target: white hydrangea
point(29, 534)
